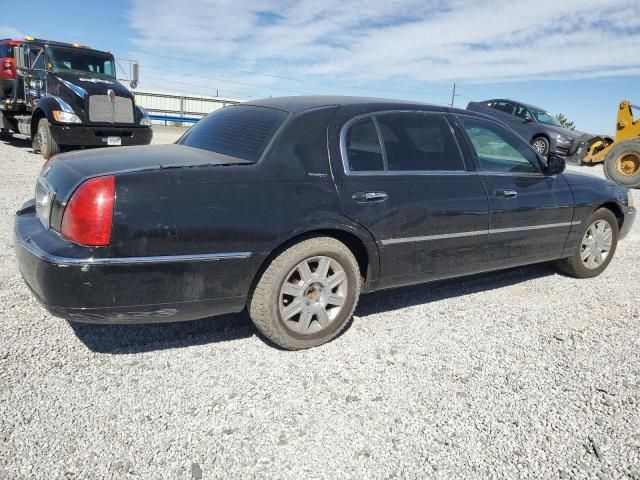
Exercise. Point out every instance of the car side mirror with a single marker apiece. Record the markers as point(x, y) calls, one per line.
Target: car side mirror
point(528, 120)
point(555, 164)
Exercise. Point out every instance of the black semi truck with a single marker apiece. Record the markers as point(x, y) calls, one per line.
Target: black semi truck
point(65, 96)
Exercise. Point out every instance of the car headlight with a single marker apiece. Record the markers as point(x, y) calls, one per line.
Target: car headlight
point(145, 121)
point(563, 139)
point(65, 117)
point(630, 198)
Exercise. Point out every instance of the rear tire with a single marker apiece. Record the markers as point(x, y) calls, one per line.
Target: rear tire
point(307, 294)
point(43, 141)
point(596, 247)
point(622, 164)
point(540, 145)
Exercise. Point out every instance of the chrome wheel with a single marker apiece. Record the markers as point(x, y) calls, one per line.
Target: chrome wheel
point(540, 146)
point(596, 244)
point(313, 295)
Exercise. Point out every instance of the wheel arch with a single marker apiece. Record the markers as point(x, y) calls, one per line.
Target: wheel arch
point(38, 114)
point(541, 134)
point(366, 252)
point(615, 208)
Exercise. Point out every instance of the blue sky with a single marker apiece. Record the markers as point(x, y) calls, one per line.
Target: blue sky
point(578, 57)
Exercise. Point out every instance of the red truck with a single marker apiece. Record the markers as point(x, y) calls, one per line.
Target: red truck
point(7, 66)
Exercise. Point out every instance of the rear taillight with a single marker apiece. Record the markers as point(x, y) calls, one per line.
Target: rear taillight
point(8, 68)
point(88, 215)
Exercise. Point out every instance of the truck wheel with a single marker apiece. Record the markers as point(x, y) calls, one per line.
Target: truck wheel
point(597, 245)
point(307, 294)
point(540, 145)
point(622, 164)
point(43, 141)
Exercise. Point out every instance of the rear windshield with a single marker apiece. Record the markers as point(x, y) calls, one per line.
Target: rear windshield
point(238, 131)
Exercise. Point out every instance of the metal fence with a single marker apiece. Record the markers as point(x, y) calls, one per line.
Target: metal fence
point(178, 109)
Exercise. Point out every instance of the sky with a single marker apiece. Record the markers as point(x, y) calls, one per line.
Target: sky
point(576, 57)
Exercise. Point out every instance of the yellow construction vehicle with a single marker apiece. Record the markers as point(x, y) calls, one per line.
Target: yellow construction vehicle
point(621, 155)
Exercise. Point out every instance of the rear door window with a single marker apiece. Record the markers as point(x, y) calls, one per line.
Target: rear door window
point(364, 152)
point(504, 107)
point(419, 142)
point(239, 131)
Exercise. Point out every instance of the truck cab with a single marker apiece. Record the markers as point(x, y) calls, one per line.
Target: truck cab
point(66, 96)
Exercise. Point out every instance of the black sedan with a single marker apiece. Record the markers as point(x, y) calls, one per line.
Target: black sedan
point(292, 207)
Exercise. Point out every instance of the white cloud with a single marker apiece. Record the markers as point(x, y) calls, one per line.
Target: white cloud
point(10, 32)
point(408, 40)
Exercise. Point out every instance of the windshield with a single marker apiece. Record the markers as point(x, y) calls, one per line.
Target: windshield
point(545, 117)
point(80, 60)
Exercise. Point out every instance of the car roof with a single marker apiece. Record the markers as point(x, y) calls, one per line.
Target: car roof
point(296, 104)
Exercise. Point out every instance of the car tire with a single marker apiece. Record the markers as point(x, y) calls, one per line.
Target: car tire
point(43, 141)
point(296, 301)
point(600, 233)
point(622, 163)
point(541, 145)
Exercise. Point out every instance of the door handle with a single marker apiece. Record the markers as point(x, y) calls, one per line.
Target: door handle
point(369, 197)
point(506, 193)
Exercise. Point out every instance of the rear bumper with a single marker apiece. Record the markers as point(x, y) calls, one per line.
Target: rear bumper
point(96, 136)
point(129, 290)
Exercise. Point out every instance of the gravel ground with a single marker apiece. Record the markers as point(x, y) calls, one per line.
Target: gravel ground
point(516, 374)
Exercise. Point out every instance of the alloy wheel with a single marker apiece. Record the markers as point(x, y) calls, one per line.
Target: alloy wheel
point(312, 295)
point(596, 244)
point(540, 146)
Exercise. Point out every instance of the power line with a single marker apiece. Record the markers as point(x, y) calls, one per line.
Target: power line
point(207, 88)
point(228, 81)
point(283, 77)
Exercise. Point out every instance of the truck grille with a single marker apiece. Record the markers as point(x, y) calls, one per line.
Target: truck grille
point(101, 109)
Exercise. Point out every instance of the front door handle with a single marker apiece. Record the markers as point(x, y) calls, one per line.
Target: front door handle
point(506, 193)
point(369, 197)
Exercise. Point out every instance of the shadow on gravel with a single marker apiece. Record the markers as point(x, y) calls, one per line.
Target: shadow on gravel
point(125, 339)
point(120, 339)
point(456, 287)
point(16, 141)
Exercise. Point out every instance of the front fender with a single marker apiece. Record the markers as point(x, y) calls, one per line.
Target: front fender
point(45, 108)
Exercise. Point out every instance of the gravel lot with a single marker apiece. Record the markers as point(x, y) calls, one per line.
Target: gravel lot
point(516, 374)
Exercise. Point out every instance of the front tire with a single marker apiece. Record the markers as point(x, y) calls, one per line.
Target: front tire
point(540, 145)
point(43, 141)
point(307, 294)
point(598, 243)
point(622, 164)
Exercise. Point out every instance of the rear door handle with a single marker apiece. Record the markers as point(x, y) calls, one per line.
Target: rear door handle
point(369, 197)
point(506, 193)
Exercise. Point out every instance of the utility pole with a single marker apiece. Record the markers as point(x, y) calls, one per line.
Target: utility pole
point(453, 95)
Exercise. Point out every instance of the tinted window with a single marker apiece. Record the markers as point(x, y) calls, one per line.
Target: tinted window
point(523, 113)
point(498, 149)
point(414, 141)
point(363, 147)
point(505, 107)
point(239, 131)
point(5, 51)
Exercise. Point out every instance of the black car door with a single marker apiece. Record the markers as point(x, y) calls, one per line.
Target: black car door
point(531, 213)
point(402, 176)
